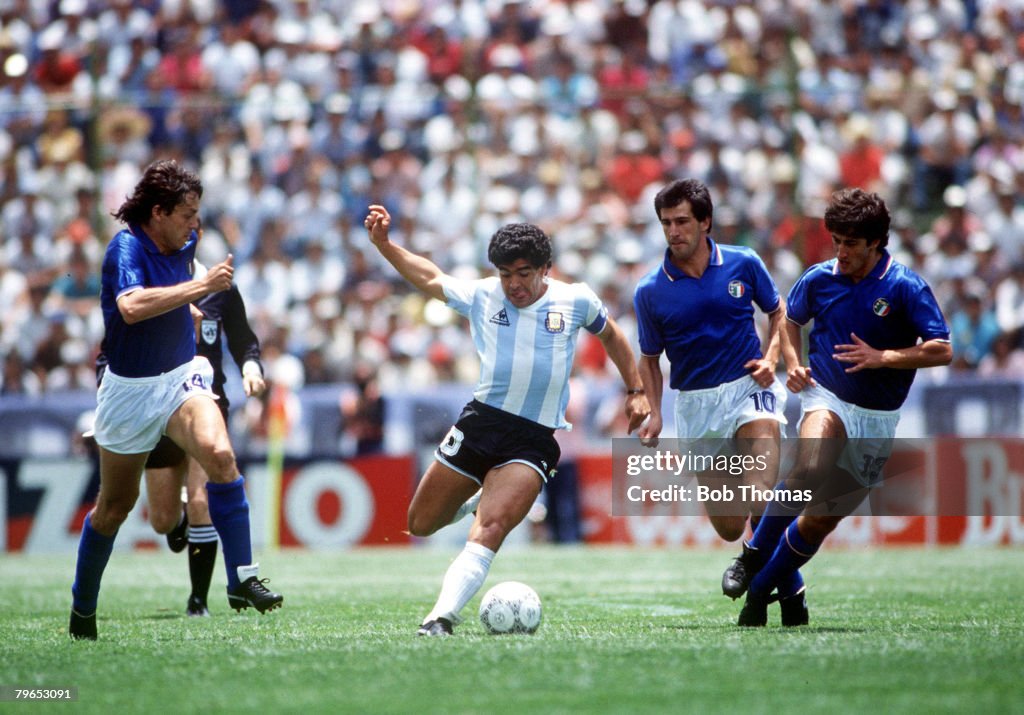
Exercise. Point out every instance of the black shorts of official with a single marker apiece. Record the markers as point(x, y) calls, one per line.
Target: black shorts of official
point(167, 453)
point(485, 437)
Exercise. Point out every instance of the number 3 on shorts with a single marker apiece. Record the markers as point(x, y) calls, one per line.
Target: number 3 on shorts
point(451, 442)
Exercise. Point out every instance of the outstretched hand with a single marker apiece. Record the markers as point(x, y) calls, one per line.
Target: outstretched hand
point(859, 353)
point(377, 223)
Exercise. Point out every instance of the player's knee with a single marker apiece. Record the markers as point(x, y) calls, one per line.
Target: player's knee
point(421, 524)
point(198, 508)
point(491, 532)
point(164, 521)
point(219, 464)
point(109, 514)
point(730, 528)
point(816, 528)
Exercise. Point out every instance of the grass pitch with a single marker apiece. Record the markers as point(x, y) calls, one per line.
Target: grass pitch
point(624, 631)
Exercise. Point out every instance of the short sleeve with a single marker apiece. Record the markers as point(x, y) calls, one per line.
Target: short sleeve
point(766, 295)
point(459, 293)
point(797, 304)
point(595, 315)
point(128, 260)
point(926, 315)
point(648, 330)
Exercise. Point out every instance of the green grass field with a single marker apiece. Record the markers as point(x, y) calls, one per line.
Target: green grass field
point(624, 631)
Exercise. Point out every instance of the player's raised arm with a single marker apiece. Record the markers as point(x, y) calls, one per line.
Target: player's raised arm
point(621, 354)
point(419, 271)
point(146, 303)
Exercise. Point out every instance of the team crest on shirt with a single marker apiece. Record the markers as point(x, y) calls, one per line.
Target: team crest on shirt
point(881, 307)
point(208, 331)
point(500, 318)
point(736, 289)
point(555, 322)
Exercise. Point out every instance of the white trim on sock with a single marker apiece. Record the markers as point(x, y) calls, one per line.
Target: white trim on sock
point(201, 534)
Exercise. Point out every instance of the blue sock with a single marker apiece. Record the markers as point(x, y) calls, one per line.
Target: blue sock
point(229, 512)
point(778, 514)
point(792, 553)
point(790, 584)
point(93, 553)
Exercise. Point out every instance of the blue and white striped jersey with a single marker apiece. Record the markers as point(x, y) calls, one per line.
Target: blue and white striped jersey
point(526, 353)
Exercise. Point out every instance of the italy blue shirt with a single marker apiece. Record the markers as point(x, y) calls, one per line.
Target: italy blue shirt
point(159, 344)
point(705, 325)
point(890, 308)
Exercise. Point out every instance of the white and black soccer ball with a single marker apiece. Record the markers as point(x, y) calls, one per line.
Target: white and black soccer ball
point(510, 607)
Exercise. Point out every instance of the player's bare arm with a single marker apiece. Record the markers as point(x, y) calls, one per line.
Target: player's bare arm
point(862, 356)
point(146, 303)
point(797, 376)
point(763, 369)
point(650, 374)
point(420, 272)
point(621, 355)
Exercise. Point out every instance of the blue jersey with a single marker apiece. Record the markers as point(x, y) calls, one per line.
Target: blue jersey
point(159, 344)
point(526, 353)
point(705, 325)
point(891, 308)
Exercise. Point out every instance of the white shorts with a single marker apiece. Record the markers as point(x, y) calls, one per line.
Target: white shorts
point(717, 412)
point(132, 412)
point(870, 433)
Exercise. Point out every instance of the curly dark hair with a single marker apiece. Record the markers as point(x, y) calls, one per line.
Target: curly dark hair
point(690, 190)
point(855, 213)
point(519, 240)
point(165, 183)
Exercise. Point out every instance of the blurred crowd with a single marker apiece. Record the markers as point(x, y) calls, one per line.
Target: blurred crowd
point(461, 115)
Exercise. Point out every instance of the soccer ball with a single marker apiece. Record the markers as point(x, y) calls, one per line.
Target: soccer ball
point(510, 607)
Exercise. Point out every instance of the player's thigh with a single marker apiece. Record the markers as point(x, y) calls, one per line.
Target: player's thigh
point(198, 426)
point(163, 494)
point(761, 440)
point(441, 491)
point(508, 493)
point(821, 443)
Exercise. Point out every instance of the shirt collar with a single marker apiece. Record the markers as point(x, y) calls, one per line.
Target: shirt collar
point(885, 261)
point(147, 242)
point(672, 271)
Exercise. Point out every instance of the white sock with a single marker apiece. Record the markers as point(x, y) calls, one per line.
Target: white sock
point(462, 580)
point(468, 507)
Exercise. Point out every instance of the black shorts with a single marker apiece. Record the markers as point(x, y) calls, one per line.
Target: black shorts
point(485, 437)
point(166, 453)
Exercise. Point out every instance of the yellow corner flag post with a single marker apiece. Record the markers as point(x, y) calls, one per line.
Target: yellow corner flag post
point(277, 429)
